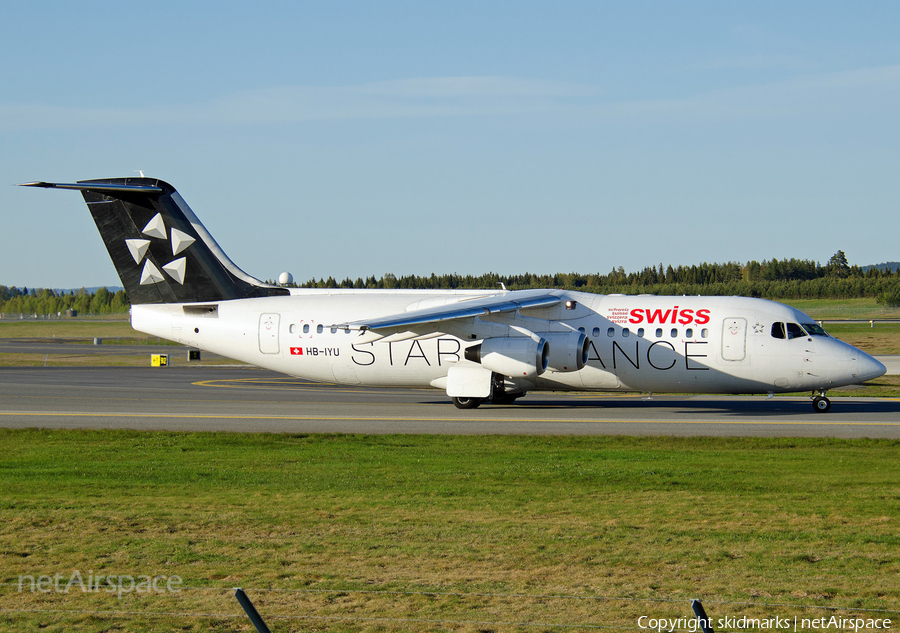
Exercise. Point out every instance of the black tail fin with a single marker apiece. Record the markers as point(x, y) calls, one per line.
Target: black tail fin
point(162, 252)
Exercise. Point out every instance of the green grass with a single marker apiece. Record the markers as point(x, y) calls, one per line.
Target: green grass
point(786, 521)
point(882, 338)
point(99, 359)
point(75, 330)
point(863, 308)
point(114, 330)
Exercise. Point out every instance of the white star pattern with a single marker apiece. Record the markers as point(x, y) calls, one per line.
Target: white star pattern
point(150, 274)
point(155, 227)
point(176, 270)
point(180, 241)
point(138, 249)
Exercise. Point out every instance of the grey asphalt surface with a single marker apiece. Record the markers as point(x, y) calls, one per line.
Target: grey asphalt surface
point(254, 400)
point(109, 348)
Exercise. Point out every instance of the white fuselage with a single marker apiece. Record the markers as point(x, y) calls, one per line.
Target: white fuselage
point(636, 343)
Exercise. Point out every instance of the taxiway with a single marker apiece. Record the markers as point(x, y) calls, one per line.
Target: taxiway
point(254, 400)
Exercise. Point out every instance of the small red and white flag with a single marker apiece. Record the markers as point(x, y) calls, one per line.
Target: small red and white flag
point(296, 351)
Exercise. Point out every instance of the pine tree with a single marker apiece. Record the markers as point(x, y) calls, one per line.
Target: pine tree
point(838, 265)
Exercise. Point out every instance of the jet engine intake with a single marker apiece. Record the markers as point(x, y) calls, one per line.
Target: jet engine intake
point(511, 356)
point(568, 350)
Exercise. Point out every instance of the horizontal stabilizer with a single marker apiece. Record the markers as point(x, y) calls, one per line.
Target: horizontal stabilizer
point(106, 186)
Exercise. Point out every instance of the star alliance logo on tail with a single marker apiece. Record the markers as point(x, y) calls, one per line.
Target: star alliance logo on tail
point(176, 269)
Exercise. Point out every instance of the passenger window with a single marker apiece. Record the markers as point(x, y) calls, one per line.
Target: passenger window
point(611, 332)
point(306, 328)
point(674, 332)
point(292, 329)
point(581, 329)
point(346, 330)
point(778, 330)
point(795, 331)
point(319, 329)
point(596, 332)
point(704, 333)
point(625, 332)
point(334, 330)
point(640, 332)
point(689, 333)
point(659, 332)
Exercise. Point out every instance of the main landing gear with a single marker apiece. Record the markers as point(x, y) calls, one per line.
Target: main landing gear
point(820, 403)
point(467, 403)
point(474, 403)
point(499, 395)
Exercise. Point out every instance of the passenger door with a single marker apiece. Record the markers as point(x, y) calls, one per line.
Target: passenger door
point(268, 333)
point(734, 339)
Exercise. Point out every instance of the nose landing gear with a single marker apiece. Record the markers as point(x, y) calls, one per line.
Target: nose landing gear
point(820, 403)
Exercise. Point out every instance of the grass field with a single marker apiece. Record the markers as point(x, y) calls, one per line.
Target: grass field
point(883, 338)
point(442, 533)
point(476, 532)
point(864, 308)
point(114, 329)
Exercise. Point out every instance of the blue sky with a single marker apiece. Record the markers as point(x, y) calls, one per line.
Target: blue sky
point(360, 138)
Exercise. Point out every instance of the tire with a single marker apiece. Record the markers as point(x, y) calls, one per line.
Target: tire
point(467, 403)
point(821, 404)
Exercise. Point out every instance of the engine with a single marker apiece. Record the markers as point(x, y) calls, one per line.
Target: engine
point(568, 350)
point(511, 356)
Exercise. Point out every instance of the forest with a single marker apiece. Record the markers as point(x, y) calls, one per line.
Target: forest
point(774, 279)
point(47, 302)
point(783, 279)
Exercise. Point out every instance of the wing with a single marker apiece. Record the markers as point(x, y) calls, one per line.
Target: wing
point(416, 322)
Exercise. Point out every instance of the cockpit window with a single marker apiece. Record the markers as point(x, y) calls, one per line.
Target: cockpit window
point(778, 330)
point(795, 331)
point(814, 329)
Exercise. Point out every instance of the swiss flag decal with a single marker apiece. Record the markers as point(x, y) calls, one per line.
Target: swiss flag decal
point(296, 351)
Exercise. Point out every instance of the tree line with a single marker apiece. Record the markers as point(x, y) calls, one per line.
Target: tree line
point(44, 301)
point(783, 279)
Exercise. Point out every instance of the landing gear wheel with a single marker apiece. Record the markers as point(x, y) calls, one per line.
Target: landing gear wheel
point(467, 403)
point(821, 404)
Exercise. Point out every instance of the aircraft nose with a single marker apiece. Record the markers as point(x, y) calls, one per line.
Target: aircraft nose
point(869, 368)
